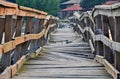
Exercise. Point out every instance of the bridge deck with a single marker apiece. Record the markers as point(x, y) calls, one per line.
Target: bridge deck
point(71, 60)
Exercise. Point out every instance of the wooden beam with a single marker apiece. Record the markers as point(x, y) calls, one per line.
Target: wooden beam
point(18, 29)
point(110, 69)
point(13, 9)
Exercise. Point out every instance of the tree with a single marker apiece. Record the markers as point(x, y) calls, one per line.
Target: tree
point(63, 6)
point(11, 1)
point(50, 6)
point(88, 4)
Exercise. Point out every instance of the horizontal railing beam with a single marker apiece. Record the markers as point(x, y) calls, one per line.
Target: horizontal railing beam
point(7, 8)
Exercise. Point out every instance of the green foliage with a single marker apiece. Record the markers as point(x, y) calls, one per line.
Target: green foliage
point(91, 3)
point(50, 6)
point(63, 1)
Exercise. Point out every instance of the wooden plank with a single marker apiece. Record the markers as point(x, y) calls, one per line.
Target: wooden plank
point(110, 69)
point(8, 4)
point(2, 24)
point(111, 44)
point(1, 49)
point(6, 56)
point(55, 65)
point(28, 31)
point(27, 37)
point(19, 40)
point(32, 10)
point(6, 74)
point(14, 69)
point(91, 45)
point(21, 61)
point(13, 9)
point(111, 10)
point(8, 46)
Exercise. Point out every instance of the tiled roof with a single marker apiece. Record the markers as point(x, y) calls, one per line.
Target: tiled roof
point(73, 8)
point(72, 2)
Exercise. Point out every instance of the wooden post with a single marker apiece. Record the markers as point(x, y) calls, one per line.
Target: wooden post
point(33, 45)
point(6, 57)
point(41, 22)
point(112, 27)
point(84, 34)
point(18, 28)
point(117, 39)
point(28, 30)
point(2, 24)
point(99, 45)
point(108, 53)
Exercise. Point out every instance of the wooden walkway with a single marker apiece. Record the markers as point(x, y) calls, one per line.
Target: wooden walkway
point(66, 57)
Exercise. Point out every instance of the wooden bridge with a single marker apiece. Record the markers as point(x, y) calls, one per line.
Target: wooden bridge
point(33, 46)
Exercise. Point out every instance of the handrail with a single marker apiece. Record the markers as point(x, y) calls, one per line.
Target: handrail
point(105, 40)
point(111, 44)
point(14, 9)
point(106, 50)
point(108, 10)
point(37, 26)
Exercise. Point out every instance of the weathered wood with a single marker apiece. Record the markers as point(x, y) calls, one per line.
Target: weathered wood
point(16, 46)
point(34, 43)
point(92, 47)
point(116, 60)
point(107, 20)
point(6, 57)
point(108, 53)
point(2, 24)
point(28, 30)
point(112, 29)
point(56, 65)
point(115, 73)
point(6, 74)
point(14, 69)
point(117, 39)
point(20, 40)
point(8, 28)
point(111, 10)
point(13, 9)
point(18, 28)
point(8, 46)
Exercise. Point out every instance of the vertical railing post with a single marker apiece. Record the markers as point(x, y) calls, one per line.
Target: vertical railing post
point(18, 29)
point(105, 27)
point(41, 27)
point(28, 30)
point(35, 30)
point(2, 24)
point(6, 57)
point(117, 39)
point(99, 45)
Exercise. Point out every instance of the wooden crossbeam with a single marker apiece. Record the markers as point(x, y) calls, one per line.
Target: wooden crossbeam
point(7, 8)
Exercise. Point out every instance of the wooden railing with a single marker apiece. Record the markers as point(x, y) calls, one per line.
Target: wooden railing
point(101, 28)
point(22, 31)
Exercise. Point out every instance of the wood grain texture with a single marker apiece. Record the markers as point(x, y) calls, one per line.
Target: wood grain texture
point(114, 72)
point(64, 61)
point(13, 9)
